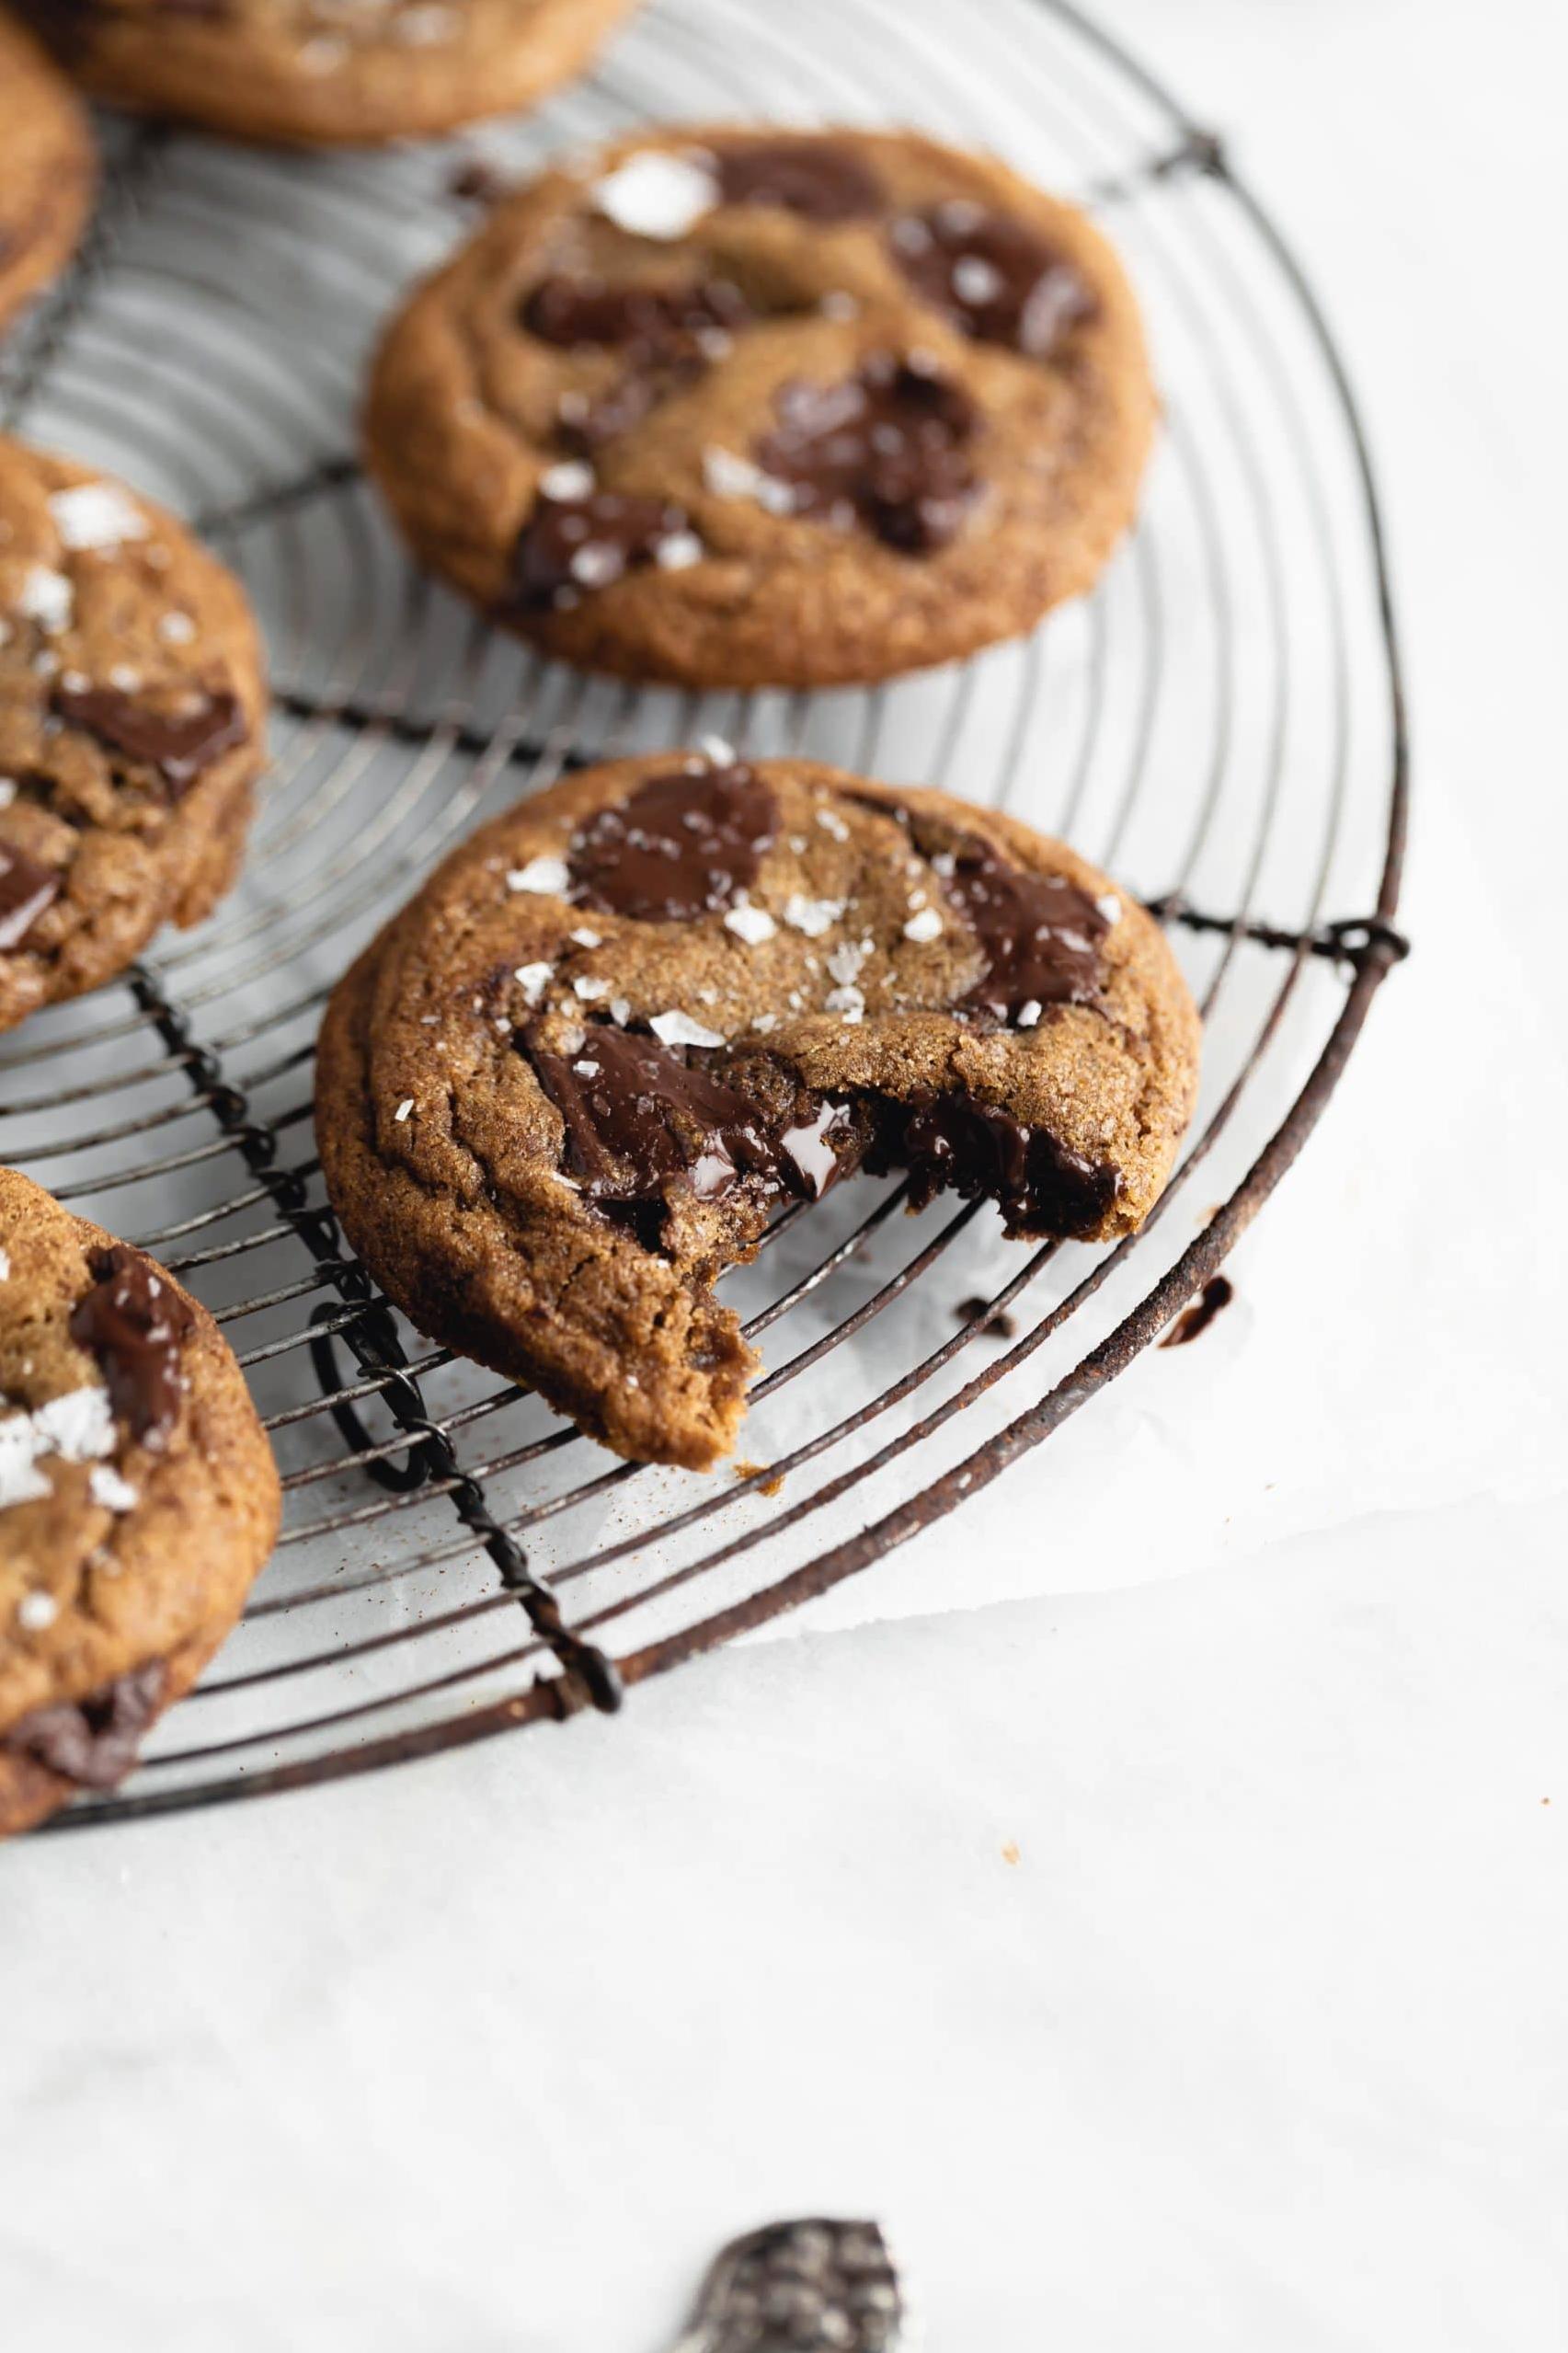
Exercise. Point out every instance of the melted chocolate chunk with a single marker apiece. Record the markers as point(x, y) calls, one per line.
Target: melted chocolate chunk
point(1194, 1321)
point(93, 1741)
point(819, 178)
point(682, 845)
point(651, 322)
point(571, 547)
point(669, 334)
point(952, 1142)
point(136, 1324)
point(637, 1114)
point(26, 888)
point(179, 744)
point(1041, 935)
point(888, 447)
point(991, 276)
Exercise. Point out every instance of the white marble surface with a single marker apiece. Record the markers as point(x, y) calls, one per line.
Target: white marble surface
point(1174, 1963)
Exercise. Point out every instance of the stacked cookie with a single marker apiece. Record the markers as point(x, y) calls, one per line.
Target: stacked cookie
point(721, 405)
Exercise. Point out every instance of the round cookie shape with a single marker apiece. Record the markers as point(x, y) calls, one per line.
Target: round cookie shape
point(616, 1031)
point(309, 73)
point(138, 1500)
point(745, 407)
point(132, 728)
point(50, 170)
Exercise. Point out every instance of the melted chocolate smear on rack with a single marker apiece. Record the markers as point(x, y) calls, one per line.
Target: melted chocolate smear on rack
point(1194, 1321)
point(991, 276)
point(888, 448)
point(178, 745)
point(1040, 934)
point(1001, 1326)
point(821, 179)
point(136, 1324)
point(682, 845)
point(638, 1114)
point(568, 548)
point(93, 1741)
point(26, 888)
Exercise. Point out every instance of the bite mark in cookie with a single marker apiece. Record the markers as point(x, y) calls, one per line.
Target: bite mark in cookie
point(570, 1084)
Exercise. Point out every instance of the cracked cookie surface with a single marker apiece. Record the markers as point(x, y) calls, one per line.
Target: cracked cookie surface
point(49, 170)
point(317, 72)
point(738, 407)
point(138, 1500)
point(131, 720)
point(623, 1026)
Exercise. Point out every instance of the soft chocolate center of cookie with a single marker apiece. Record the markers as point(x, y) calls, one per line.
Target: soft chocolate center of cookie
point(820, 179)
point(888, 447)
point(994, 278)
point(26, 888)
point(93, 1741)
point(568, 548)
point(178, 745)
point(682, 845)
point(639, 1115)
point(1041, 935)
point(136, 1324)
point(952, 1142)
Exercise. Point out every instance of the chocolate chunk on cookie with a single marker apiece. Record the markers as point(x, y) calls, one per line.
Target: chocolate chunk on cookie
point(138, 1500)
point(745, 409)
point(47, 171)
point(619, 1028)
point(311, 73)
point(131, 721)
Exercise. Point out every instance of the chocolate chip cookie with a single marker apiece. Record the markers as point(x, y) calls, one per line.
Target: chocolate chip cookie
point(569, 1085)
point(326, 72)
point(47, 170)
point(741, 407)
point(131, 721)
point(138, 1500)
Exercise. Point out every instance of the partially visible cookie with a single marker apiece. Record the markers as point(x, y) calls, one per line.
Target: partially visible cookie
point(326, 72)
point(47, 170)
point(569, 1085)
point(138, 1500)
point(740, 407)
point(133, 718)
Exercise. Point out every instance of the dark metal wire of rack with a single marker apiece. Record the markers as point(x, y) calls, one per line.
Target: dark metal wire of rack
point(213, 331)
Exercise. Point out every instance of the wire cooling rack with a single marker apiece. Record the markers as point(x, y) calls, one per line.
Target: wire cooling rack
point(1220, 725)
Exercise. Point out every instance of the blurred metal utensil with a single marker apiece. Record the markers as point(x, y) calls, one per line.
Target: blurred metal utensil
point(812, 2286)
